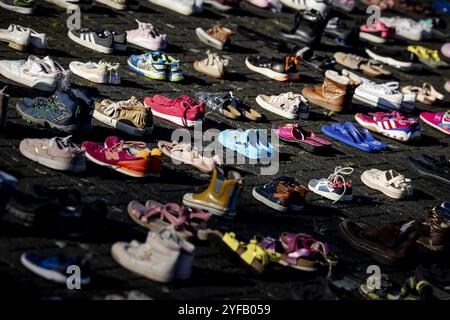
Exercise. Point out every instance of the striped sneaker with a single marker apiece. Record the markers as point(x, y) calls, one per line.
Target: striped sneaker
point(392, 125)
point(95, 40)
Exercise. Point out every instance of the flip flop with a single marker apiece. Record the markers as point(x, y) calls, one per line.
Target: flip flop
point(294, 133)
point(347, 133)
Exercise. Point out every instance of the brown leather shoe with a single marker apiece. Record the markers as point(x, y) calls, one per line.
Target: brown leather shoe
point(220, 33)
point(331, 94)
point(388, 245)
point(293, 194)
point(436, 233)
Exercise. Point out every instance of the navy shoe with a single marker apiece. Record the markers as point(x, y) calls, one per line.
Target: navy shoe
point(282, 194)
point(7, 184)
point(54, 268)
point(444, 209)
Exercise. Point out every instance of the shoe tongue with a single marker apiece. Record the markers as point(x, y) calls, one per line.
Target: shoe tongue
point(49, 62)
point(111, 141)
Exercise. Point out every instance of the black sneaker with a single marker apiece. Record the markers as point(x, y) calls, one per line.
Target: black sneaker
point(308, 28)
point(400, 59)
point(277, 69)
point(437, 169)
point(92, 39)
point(119, 39)
point(19, 6)
point(310, 59)
point(337, 28)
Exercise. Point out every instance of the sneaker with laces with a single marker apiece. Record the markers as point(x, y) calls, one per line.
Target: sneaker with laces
point(275, 68)
point(151, 64)
point(101, 72)
point(56, 153)
point(213, 65)
point(385, 96)
point(19, 6)
point(183, 111)
point(377, 33)
point(129, 116)
point(439, 121)
point(147, 36)
point(335, 187)
point(37, 40)
point(41, 74)
point(93, 39)
point(288, 105)
point(115, 4)
point(217, 36)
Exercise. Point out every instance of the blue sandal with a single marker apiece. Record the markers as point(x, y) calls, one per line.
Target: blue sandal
point(348, 133)
point(252, 143)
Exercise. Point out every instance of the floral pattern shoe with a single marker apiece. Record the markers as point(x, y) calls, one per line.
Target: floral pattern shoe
point(335, 187)
point(439, 121)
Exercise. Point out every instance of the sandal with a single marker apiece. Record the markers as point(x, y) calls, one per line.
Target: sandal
point(294, 133)
point(391, 183)
point(426, 94)
point(427, 56)
point(185, 153)
point(367, 66)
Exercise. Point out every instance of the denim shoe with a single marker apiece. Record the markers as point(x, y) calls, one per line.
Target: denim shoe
point(151, 65)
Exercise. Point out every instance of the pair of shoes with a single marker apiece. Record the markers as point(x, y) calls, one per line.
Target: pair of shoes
point(130, 116)
point(251, 143)
point(156, 65)
point(56, 153)
point(221, 196)
point(217, 36)
point(227, 104)
point(183, 110)
point(308, 28)
point(147, 36)
point(21, 38)
point(335, 187)
point(426, 94)
point(369, 67)
point(132, 158)
point(155, 217)
point(36, 73)
point(307, 140)
point(101, 40)
point(317, 62)
point(101, 72)
point(391, 183)
point(439, 121)
point(277, 69)
point(432, 167)
point(213, 66)
point(282, 194)
point(393, 125)
point(186, 153)
point(287, 105)
point(184, 7)
point(163, 256)
point(19, 6)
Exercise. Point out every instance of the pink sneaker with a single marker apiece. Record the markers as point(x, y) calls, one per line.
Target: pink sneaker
point(265, 3)
point(445, 50)
point(147, 37)
point(379, 32)
point(183, 111)
point(440, 121)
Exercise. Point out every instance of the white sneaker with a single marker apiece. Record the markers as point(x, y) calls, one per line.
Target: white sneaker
point(391, 183)
point(66, 4)
point(16, 37)
point(408, 28)
point(102, 72)
point(36, 73)
point(385, 96)
point(185, 7)
point(286, 104)
point(115, 4)
point(318, 5)
point(37, 40)
point(21, 7)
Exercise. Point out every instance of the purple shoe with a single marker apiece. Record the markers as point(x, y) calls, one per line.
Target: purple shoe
point(445, 50)
point(147, 36)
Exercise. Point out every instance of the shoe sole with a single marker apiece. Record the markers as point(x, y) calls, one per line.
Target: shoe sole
point(52, 164)
point(371, 38)
point(15, 45)
point(272, 74)
point(390, 61)
point(393, 134)
point(265, 105)
point(17, 9)
point(433, 125)
point(267, 202)
point(29, 83)
point(90, 45)
point(374, 186)
point(120, 125)
point(218, 6)
point(207, 39)
point(112, 5)
point(331, 195)
point(174, 119)
point(117, 168)
point(147, 46)
point(146, 73)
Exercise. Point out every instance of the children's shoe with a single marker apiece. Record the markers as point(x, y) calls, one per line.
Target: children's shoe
point(217, 37)
point(392, 125)
point(335, 187)
point(54, 268)
point(147, 37)
point(19, 6)
point(213, 66)
point(251, 143)
point(152, 65)
point(280, 70)
point(56, 153)
point(287, 105)
point(132, 158)
point(439, 121)
point(391, 183)
point(102, 72)
point(129, 116)
point(378, 33)
point(282, 194)
point(183, 111)
point(173, 69)
point(93, 39)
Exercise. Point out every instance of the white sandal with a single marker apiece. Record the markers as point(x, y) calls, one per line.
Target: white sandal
point(391, 183)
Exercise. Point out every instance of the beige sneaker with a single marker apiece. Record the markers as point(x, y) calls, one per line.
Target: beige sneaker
point(129, 116)
point(391, 183)
point(102, 72)
point(56, 153)
point(212, 66)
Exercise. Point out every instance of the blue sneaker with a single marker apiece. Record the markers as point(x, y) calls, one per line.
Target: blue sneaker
point(7, 184)
point(282, 194)
point(151, 65)
point(173, 69)
point(54, 268)
point(251, 143)
point(335, 187)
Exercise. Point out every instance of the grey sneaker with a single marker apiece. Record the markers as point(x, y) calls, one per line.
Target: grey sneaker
point(56, 153)
point(95, 40)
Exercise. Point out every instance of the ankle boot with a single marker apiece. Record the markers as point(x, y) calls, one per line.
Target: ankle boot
point(437, 231)
point(220, 198)
point(331, 94)
point(3, 110)
point(354, 81)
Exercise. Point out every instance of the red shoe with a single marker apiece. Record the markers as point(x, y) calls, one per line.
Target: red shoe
point(128, 157)
point(183, 111)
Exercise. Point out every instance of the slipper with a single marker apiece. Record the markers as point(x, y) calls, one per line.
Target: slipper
point(294, 133)
point(347, 133)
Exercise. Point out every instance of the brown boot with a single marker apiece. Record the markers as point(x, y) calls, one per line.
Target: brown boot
point(220, 197)
point(3, 110)
point(331, 94)
point(354, 81)
point(437, 231)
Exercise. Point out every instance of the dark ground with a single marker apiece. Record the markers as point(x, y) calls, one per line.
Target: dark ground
point(215, 274)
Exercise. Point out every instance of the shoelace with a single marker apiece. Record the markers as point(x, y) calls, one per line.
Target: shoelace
point(322, 249)
point(338, 176)
point(123, 145)
point(388, 88)
point(64, 143)
point(289, 101)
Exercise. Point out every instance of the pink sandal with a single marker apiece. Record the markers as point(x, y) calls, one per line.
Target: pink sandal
point(294, 133)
